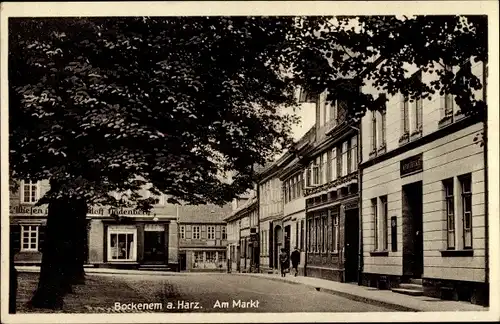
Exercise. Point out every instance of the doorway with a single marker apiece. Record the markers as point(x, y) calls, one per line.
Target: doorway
point(278, 234)
point(351, 245)
point(413, 243)
point(182, 261)
point(154, 247)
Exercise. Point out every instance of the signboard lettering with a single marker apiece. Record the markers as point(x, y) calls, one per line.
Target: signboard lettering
point(411, 165)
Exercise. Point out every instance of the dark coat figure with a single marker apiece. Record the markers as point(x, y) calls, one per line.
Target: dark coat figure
point(295, 258)
point(283, 262)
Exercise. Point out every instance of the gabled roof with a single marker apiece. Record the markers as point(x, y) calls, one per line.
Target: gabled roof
point(203, 213)
point(240, 211)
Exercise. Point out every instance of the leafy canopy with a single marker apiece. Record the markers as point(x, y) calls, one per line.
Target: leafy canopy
point(110, 104)
point(380, 49)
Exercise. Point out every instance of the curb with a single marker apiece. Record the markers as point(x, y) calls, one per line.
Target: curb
point(135, 273)
point(350, 296)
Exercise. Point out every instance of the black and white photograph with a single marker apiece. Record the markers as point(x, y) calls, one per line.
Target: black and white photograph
point(263, 161)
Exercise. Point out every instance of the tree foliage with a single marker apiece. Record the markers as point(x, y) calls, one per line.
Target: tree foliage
point(380, 50)
point(110, 104)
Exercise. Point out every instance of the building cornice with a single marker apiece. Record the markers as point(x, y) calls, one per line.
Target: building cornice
point(440, 133)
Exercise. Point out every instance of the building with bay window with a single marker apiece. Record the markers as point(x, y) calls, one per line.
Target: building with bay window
point(331, 194)
point(291, 175)
point(424, 196)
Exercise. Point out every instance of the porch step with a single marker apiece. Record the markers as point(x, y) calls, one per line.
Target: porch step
point(411, 292)
point(416, 281)
point(154, 267)
point(411, 286)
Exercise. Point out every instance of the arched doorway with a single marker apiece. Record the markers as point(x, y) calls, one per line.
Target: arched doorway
point(278, 243)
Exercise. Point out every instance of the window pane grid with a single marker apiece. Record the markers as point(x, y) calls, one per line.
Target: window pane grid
point(29, 237)
point(466, 184)
point(450, 213)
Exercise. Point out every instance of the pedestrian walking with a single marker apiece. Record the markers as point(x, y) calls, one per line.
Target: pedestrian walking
point(284, 262)
point(295, 257)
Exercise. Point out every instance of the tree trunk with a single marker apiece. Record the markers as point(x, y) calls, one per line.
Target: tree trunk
point(76, 271)
point(59, 259)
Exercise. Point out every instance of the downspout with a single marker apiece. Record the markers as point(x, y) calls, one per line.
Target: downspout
point(360, 200)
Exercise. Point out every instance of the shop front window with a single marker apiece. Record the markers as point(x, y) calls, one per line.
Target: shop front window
point(122, 244)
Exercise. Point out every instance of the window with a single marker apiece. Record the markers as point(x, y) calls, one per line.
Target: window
point(324, 167)
point(316, 234)
point(418, 114)
point(465, 185)
point(374, 131)
point(222, 256)
point(335, 227)
point(450, 214)
point(211, 257)
point(211, 232)
point(345, 150)
point(29, 238)
point(315, 172)
point(375, 223)
point(309, 236)
point(384, 223)
point(333, 164)
point(183, 231)
point(354, 153)
point(122, 244)
point(296, 233)
point(29, 192)
point(418, 105)
point(405, 116)
point(382, 112)
point(197, 258)
point(224, 233)
point(324, 229)
point(448, 98)
point(302, 234)
point(383, 136)
point(196, 232)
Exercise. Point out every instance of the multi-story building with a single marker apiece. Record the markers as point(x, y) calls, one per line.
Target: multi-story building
point(203, 237)
point(331, 194)
point(243, 225)
point(121, 237)
point(423, 197)
point(126, 237)
point(292, 177)
point(270, 204)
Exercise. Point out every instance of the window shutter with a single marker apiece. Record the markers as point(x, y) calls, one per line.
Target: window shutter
point(15, 238)
point(41, 237)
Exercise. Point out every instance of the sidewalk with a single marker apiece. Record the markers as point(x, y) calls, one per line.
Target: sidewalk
point(374, 296)
point(92, 270)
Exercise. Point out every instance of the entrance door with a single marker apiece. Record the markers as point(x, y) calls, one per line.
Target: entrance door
point(288, 230)
point(413, 244)
point(278, 244)
point(182, 261)
point(154, 247)
point(351, 245)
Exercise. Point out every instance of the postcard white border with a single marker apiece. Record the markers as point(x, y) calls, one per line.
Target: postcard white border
point(194, 8)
